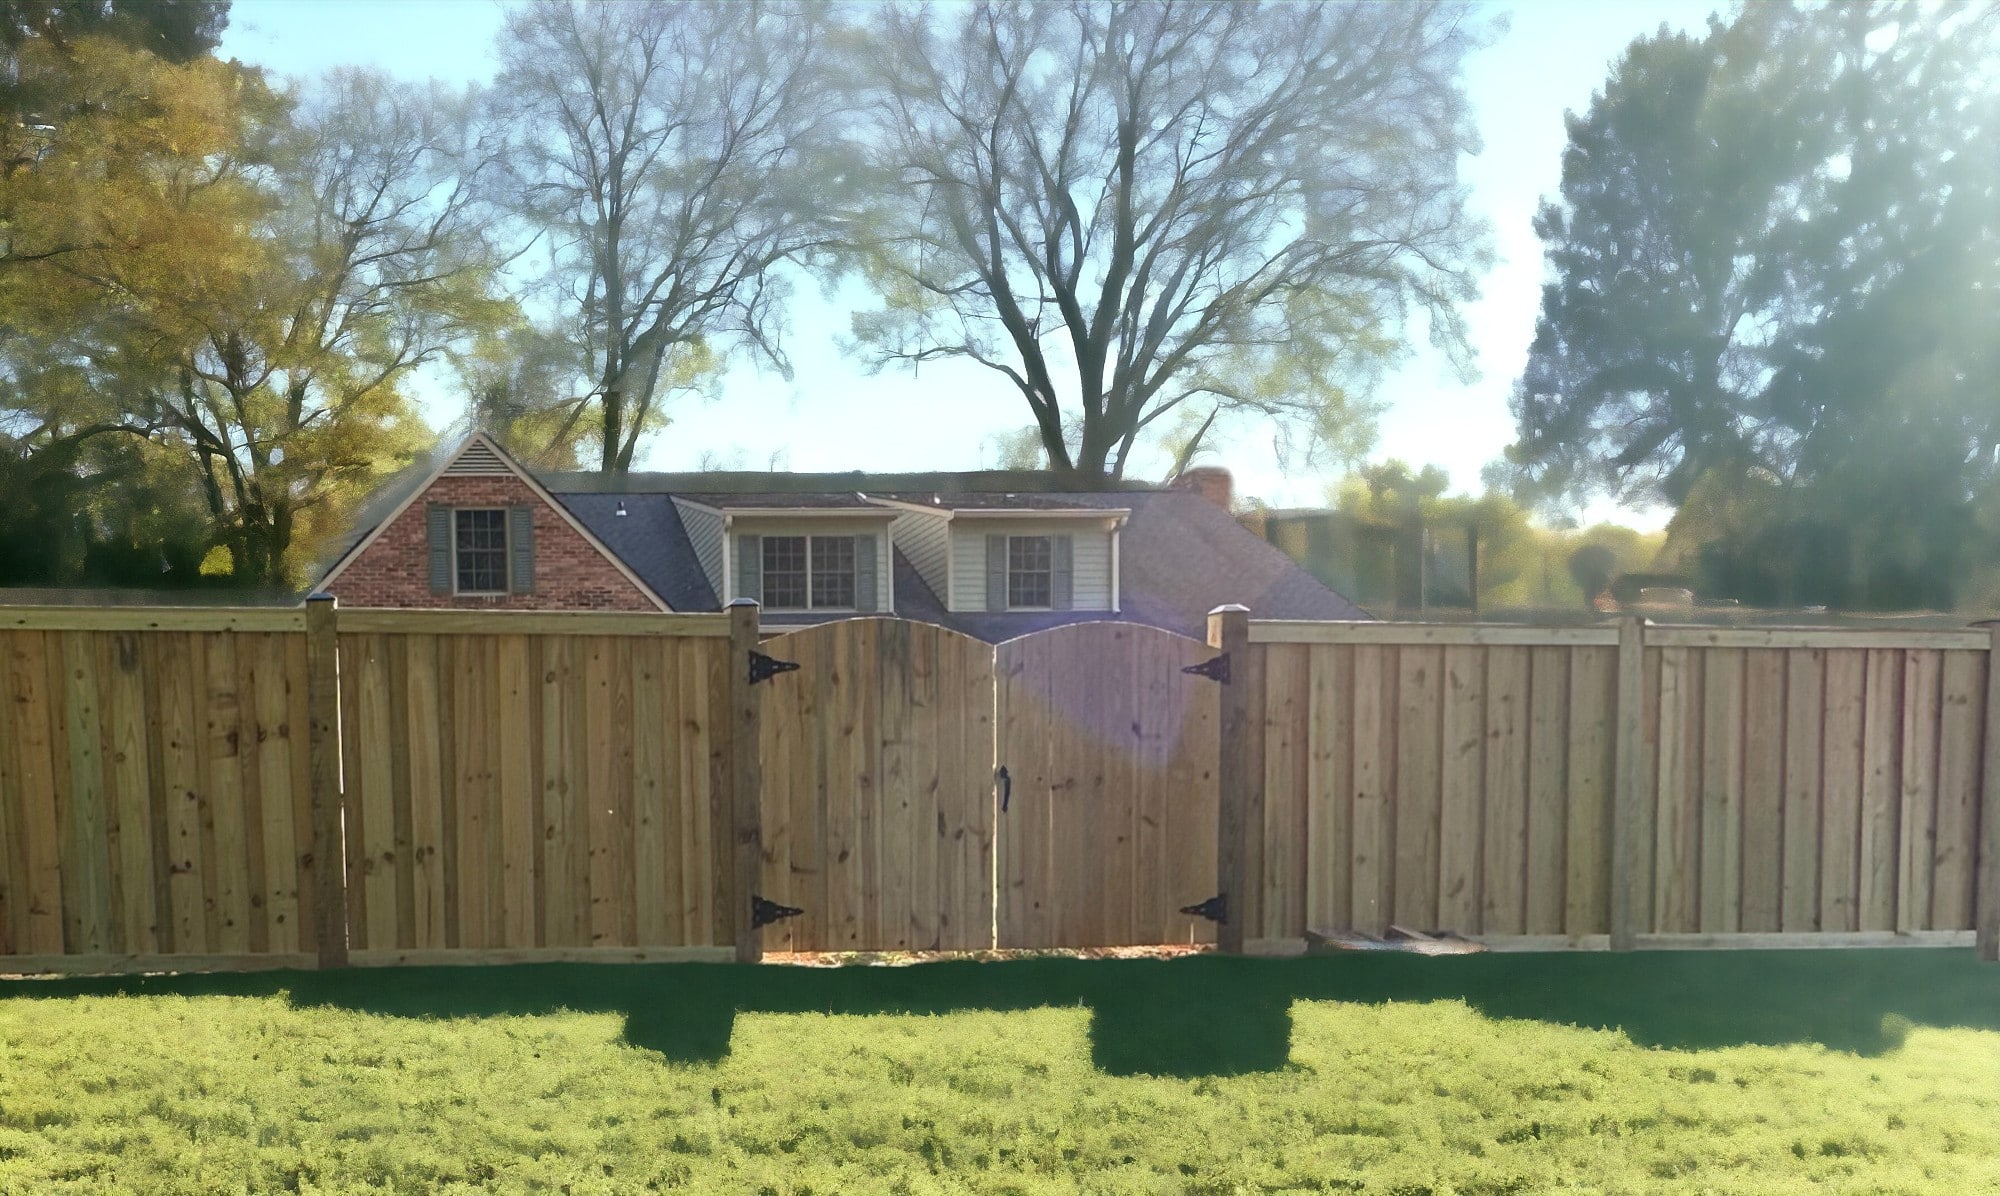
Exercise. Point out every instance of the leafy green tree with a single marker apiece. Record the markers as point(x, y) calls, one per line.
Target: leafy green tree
point(1128, 209)
point(1775, 264)
point(102, 511)
point(128, 178)
point(176, 31)
point(259, 307)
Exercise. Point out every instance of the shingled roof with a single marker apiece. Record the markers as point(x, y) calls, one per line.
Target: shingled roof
point(1180, 556)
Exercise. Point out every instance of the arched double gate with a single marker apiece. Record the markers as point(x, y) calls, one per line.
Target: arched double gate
point(924, 790)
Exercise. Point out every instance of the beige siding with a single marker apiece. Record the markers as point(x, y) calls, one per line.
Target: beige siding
point(704, 529)
point(1092, 560)
point(926, 540)
point(885, 574)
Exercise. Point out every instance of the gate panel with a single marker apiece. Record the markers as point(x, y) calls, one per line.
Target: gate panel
point(878, 788)
point(1111, 754)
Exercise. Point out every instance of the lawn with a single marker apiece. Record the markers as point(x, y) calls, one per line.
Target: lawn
point(1850, 1071)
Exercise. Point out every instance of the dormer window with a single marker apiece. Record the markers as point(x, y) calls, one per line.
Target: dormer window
point(808, 572)
point(1030, 572)
point(1034, 572)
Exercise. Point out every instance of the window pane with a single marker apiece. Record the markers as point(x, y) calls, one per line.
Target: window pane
point(482, 551)
point(785, 572)
point(833, 571)
point(1030, 570)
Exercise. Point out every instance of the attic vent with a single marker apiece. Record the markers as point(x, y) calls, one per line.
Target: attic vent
point(477, 460)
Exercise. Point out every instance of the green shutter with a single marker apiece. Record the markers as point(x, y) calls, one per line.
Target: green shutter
point(437, 525)
point(996, 573)
point(750, 568)
point(864, 574)
point(1062, 581)
point(521, 549)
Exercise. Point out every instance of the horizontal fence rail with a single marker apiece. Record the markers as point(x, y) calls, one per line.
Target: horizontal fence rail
point(217, 788)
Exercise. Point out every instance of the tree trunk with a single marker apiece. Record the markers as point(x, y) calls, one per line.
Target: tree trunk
point(613, 431)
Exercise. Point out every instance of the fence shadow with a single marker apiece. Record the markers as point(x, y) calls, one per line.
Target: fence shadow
point(1199, 1016)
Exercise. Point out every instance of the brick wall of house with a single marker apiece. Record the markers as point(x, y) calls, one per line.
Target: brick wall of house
point(570, 574)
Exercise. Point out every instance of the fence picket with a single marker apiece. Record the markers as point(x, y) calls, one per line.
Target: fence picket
point(1548, 788)
point(1960, 732)
point(1504, 833)
point(1592, 711)
point(1327, 797)
point(1720, 889)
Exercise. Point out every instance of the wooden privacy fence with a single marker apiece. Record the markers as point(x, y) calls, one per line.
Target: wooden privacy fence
point(485, 786)
point(877, 792)
point(224, 788)
point(1627, 782)
point(881, 821)
point(559, 785)
point(1110, 750)
point(154, 788)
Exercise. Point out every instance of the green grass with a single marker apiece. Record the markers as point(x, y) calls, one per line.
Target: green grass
point(1748, 1072)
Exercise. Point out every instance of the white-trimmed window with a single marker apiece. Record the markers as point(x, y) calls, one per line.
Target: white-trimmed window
point(479, 550)
point(1031, 569)
point(833, 572)
point(808, 572)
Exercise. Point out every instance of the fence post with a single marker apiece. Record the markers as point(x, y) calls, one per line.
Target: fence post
point(1986, 917)
point(1229, 632)
point(1628, 794)
point(323, 760)
point(746, 781)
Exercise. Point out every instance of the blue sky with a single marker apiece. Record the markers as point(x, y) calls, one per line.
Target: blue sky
point(833, 414)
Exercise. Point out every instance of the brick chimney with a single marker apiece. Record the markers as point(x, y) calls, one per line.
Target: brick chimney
point(1212, 482)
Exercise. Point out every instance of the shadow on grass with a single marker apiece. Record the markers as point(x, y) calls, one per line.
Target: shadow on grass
point(1202, 1015)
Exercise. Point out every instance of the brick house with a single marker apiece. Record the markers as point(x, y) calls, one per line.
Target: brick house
point(477, 531)
point(993, 554)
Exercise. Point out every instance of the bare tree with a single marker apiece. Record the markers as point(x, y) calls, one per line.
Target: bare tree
point(675, 154)
point(1230, 205)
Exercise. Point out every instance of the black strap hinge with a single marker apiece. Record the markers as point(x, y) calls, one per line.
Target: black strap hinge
point(763, 668)
point(763, 913)
point(1215, 909)
point(1216, 669)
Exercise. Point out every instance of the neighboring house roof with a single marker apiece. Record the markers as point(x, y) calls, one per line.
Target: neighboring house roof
point(1183, 554)
point(1029, 503)
point(1180, 554)
point(781, 501)
point(383, 505)
point(984, 481)
point(1180, 557)
point(652, 540)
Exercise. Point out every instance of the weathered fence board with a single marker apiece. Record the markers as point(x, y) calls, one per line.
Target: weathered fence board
point(1805, 715)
